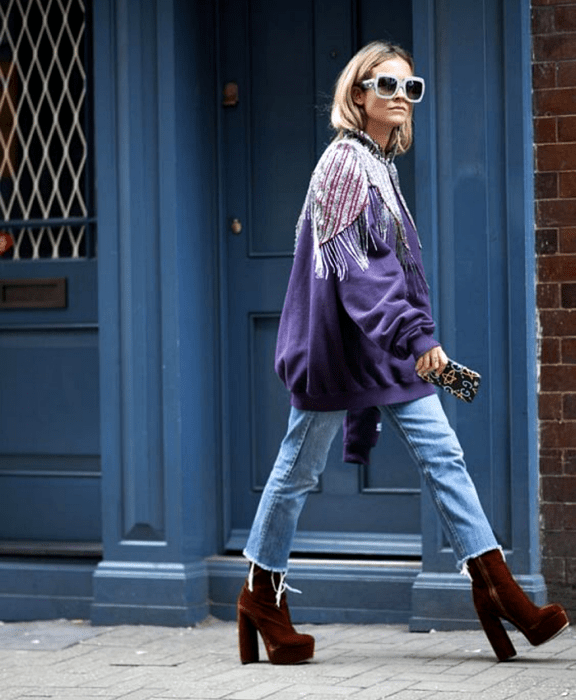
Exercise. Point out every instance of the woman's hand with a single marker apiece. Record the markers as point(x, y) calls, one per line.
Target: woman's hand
point(434, 360)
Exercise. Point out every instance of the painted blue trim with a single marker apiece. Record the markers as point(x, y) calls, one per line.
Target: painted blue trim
point(493, 168)
point(523, 361)
point(154, 77)
point(224, 474)
point(333, 591)
point(363, 544)
point(105, 59)
point(45, 590)
point(150, 593)
point(444, 601)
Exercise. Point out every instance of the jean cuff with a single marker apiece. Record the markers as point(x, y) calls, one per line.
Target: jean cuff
point(462, 564)
point(266, 567)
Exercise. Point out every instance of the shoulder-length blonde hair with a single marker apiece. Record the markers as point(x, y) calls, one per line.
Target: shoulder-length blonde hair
point(346, 114)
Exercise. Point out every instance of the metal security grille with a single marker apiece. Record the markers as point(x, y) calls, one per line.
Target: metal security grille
point(45, 184)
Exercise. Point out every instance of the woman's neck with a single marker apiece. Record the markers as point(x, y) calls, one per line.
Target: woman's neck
point(379, 133)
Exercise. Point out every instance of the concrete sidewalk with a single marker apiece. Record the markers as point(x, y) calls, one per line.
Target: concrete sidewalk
point(71, 660)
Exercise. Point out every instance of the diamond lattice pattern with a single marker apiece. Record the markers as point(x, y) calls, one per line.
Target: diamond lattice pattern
point(43, 145)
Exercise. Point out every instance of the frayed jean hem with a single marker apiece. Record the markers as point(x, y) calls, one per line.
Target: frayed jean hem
point(462, 565)
point(253, 560)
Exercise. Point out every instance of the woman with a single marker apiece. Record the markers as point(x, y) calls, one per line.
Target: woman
point(356, 333)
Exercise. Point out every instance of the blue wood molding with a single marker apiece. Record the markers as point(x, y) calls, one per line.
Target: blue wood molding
point(474, 175)
point(523, 361)
point(154, 96)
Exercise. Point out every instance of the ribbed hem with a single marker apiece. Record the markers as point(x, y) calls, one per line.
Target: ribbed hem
point(375, 397)
point(422, 344)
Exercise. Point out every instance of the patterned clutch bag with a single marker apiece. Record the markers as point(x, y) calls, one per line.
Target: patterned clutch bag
point(461, 382)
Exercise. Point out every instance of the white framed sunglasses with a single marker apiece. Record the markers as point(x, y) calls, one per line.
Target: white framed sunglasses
point(387, 86)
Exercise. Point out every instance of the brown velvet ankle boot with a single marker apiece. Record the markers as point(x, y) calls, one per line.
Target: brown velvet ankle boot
point(498, 597)
point(262, 607)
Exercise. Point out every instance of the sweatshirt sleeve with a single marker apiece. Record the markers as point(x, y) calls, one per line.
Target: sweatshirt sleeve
point(375, 296)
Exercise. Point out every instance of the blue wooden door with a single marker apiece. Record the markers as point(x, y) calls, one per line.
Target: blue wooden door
point(283, 61)
point(49, 394)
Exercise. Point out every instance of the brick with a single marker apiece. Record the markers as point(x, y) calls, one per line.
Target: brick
point(536, 3)
point(548, 296)
point(546, 185)
point(559, 544)
point(568, 515)
point(557, 268)
point(567, 240)
point(566, 128)
point(558, 378)
point(570, 468)
point(557, 435)
point(543, 20)
point(570, 571)
point(545, 130)
point(551, 462)
point(569, 407)
point(556, 212)
point(554, 47)
point(566, 184)
point(554, 101)
point(564, 19)
point(558, 324)
point(568, 348)
point(553, 568)
point(553, 516)
point(565, 74)
point(560, 593)
point(550, 351)
point(544, 75)
point(550, 407)
point(556, 157)
point(546, 241)
point(568, 296)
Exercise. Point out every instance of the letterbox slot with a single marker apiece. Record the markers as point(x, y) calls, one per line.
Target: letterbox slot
point(47, 293)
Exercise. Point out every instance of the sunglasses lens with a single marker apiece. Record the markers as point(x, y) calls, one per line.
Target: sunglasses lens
point(387, 85)
point(414, 89)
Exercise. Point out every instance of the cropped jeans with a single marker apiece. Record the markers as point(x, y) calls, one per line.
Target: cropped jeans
point(424, 429)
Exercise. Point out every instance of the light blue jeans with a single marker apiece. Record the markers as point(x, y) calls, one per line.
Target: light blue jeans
point(423, 427)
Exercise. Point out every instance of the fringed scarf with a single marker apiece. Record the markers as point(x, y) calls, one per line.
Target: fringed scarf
point(338, 195)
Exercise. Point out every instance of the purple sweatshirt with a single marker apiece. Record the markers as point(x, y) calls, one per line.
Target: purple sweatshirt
point(351, 340)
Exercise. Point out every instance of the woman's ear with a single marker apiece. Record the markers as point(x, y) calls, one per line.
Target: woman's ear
point(358, 95)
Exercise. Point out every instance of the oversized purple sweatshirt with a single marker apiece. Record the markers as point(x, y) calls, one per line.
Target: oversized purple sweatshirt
point(357, 314)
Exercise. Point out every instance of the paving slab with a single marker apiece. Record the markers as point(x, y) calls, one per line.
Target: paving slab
point(46, 635)
point(71, 660)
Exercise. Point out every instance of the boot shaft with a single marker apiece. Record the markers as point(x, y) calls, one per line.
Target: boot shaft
point(266, 586)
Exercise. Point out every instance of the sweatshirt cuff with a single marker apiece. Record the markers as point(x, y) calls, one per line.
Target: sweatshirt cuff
point(422, 344)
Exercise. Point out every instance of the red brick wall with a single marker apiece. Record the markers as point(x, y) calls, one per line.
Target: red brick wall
point(554, 83)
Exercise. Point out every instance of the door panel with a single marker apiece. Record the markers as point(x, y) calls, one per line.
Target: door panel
point(285, 61)
point(281, 112)
point(49, 399)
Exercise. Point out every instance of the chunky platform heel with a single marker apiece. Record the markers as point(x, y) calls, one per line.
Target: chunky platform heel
point(497, 635)
point(498, 597)
point(262, 608)
point(247, 640)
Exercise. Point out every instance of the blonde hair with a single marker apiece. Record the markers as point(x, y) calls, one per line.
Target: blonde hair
point(346, 114)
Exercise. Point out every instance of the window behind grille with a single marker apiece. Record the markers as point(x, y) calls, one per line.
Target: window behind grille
point(46, 198)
